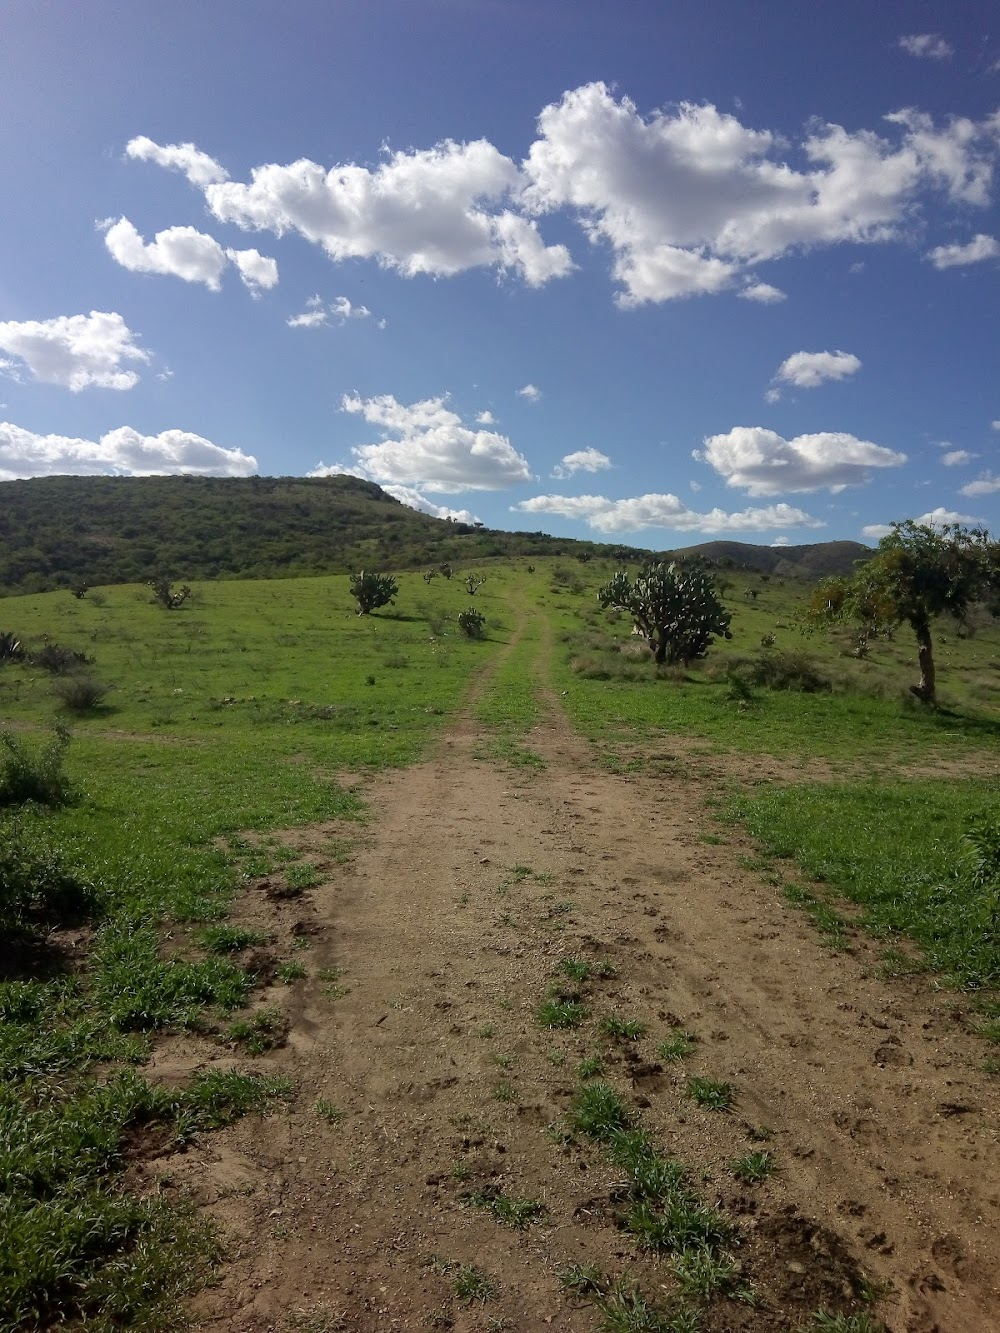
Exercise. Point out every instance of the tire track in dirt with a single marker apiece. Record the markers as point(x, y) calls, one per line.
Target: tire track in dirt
point(468, 886)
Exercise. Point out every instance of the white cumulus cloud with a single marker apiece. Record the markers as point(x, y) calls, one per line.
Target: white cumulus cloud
point(531, 392)
point(956, 457)
point(874, 532)
point(662, 511)
point(938, 518)
point(686, 199)
point(76, 351)
point(198, 167)
point(189, 254)
point(974, 252)
point(762, 462)
point(121, 452)
point(486, 418)
point(414, 500)
point(926, 46)
point(440, 210)
point(256, 271)
point(583, 460)
point(763, 293)
point(807, 370)
point(985, 484)
point(427, 446)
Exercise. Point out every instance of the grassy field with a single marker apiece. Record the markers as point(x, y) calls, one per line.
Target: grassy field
point(257, 707)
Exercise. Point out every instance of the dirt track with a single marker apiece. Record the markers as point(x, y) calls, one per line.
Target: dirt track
point(884, 1129)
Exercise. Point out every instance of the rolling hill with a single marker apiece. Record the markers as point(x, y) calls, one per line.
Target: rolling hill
point(55, 531)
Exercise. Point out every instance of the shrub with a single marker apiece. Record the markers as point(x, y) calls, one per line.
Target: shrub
point(35, 886)
point(33, 776)
point(10, 648)
point(371, 591)
point(58, 659)
point(788, 669)
point(80, 694)
point(166, 595)
point(471, 622)
point(674, 607)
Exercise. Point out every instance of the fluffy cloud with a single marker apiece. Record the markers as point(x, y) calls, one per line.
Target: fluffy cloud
point(583, 460)
point(198, 167)
point(440, 210)
point(761, 462)
point(763, 293)
point(874, 532)
point(427, 446)
point(121, 452)
point(662, 511)
point(979, 248)
point(486, 418)
point(938, 518)
point(688, 199)
point(956, 457)
point(256, 271)
point(985, 484)
point(76, 351)
point(317, 313)
point(414, 500)
point(184, 252)
point(531, 392)
point(807, 370)
point(926, 46)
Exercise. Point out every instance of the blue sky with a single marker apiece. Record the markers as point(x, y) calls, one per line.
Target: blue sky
point(660, 272)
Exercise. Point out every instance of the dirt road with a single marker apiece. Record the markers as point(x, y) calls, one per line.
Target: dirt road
point(436, 1085)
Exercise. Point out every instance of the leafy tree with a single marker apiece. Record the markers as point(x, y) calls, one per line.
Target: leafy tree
point(676, 609)
point(471, 622)
point(917, 574)
point(166, 595)
point(371, 591)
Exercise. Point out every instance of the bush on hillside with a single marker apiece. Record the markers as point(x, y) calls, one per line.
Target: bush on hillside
point(27, 775)
point(371, 591)
point(36, 888)
point(80, 694)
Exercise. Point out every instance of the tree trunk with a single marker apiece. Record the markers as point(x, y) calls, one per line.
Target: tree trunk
point(925, 649)
point(658, 643)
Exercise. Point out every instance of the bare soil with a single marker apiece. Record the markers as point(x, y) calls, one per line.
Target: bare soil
point(445, 928)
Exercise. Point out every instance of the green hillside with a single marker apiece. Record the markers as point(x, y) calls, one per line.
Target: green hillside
point(55, 531)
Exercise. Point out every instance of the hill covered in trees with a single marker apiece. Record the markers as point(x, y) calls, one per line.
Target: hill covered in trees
point(55, 531)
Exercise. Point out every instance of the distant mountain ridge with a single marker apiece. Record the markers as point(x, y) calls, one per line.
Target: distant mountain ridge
point(820, 560)
point(55, 531)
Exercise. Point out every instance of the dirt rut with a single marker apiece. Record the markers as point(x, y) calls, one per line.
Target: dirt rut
point(471, 883)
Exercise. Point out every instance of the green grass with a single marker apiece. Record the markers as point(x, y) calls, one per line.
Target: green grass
point(622, 1029)
point(472, 1284)
point(677, 1046)
point(512, 1212)
point(710, 1093)
point(558, 1013)
point(896, 850)
point(753, 1167)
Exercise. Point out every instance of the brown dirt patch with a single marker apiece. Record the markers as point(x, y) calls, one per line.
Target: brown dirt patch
point(445, 930)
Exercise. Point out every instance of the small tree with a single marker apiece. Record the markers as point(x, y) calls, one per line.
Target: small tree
point(675, 609)
point(166, 595)
point(471, 622)
point(371, 591)
point(917, 574)
point(473, 582)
